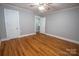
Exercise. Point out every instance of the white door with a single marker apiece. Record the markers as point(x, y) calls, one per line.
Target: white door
point(12, 23)
point(42, 24)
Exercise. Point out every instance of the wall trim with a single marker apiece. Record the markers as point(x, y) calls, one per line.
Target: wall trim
point(64, 10)
point(63, 38)
point(66, 39)
point(5, 39)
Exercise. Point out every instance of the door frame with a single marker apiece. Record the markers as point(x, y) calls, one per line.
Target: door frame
point(43, 23)
point(17, 24)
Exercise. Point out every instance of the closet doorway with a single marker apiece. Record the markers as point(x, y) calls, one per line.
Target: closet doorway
point(40, 24)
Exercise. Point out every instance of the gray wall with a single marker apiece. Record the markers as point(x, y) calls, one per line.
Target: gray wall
point(64, 23)
point(26, 22)
point(2, 24)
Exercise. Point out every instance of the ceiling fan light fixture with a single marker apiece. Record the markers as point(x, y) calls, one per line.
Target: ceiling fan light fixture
point(42, 8)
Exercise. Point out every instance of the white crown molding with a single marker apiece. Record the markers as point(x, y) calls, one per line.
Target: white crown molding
point(9, 6)
point(63, 10)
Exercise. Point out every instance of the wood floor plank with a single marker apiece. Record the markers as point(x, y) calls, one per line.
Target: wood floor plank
point(51, 45)
point(38, 45)
point(14, 52)
point(43, 48)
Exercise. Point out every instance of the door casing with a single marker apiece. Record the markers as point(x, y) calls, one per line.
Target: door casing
point(12, 23)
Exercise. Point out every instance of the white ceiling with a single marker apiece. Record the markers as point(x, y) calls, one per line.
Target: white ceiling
point(52, 7)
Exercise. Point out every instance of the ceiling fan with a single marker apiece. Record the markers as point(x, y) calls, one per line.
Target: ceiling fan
point(42, 7)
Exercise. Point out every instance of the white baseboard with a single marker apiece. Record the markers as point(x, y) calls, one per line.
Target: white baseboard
point(26, 35)
point(66, 39)
point(17, 37)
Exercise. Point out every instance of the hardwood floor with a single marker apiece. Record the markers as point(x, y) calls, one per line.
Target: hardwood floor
point(38, 45)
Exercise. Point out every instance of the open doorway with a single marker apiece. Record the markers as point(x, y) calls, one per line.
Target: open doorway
point(40, 24)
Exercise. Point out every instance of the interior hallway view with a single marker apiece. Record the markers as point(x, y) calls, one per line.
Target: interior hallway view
point(44, 29)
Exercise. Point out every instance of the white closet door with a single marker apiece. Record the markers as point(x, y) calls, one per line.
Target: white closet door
point(12, 23)
point(42, 24)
